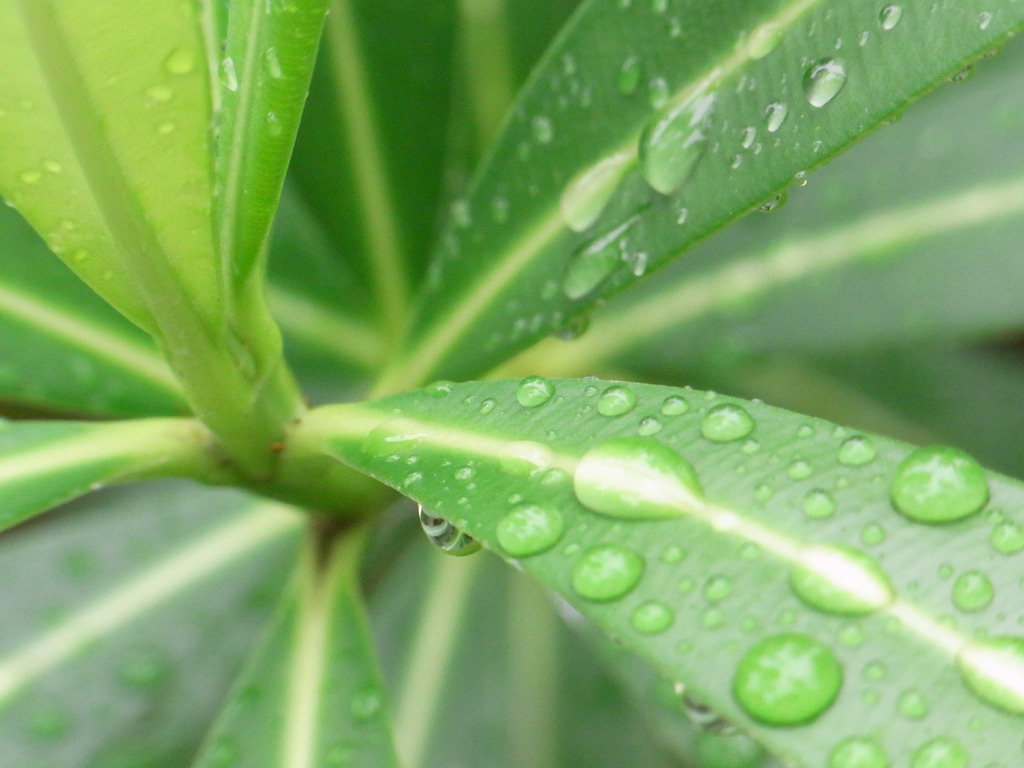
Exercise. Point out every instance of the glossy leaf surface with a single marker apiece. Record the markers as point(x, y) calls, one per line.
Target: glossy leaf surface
point(311, 694)
point(723, 539)
point(126, 618)
point(602, 178)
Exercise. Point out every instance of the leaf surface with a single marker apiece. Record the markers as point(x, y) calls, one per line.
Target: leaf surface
point(143, 602)
point(311, 694)
point(590, 152)
point(723, 539)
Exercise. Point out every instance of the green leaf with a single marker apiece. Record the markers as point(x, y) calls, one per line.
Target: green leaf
point(267, 58)
point(311, 694)
point(63, 347)
point(722, 539)
point(369, 154)
point(499, 285)
point(110, 163)
point(44, 463)
point(126, 618)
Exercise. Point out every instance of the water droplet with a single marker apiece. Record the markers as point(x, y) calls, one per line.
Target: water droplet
point(858, 752)
point(273, 63)
point(228, 75)
point(446, 536)
point(224, 751)
point(852, 635)
point(652, 617)
point(717, 588)
point(857, 451)
point(747, 137)
point(649, 426)
point(143, 669)
point(630, 74)
point(972, 591)
point(48, 724)
point(763, 40)
point(872, 534)
point(725, 423)
point(675, 406)
point(671, 145)
point(657, 92)
point(392, 437)
point(787, 679)
point(775, 115)
point(840, 579)
point(704, 718)
point(607, 572)
point(673, 554)
point(595, 262)
point(530, 529)
point(875, 671)
point(912, 704)
point(616, 400)
point(524, 458)
point(180, 61)
point(53, 167)
point(166, 127)
point(799, 470)
point(823, 80)
point(542, 129)
point(534, 391)
point(486, 406)
point(890, 16)
point(994, 671)
point(1007, 538)
point(588, 192)
point(30, 177)
point(940, 752)
point(774, 202)
point(984, 19)
point(636, 478)
point(365, 702)
point(938, 485)
point(274, 127)
point(818, 504)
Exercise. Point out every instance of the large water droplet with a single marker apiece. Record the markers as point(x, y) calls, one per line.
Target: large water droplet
point(588, 192)
point(595, 262)
point(530, 529)
point(994, 671)
point(775, 115)
point(652, 617)
point(534, 391)
point(890, 16)
point(840, 579)
point(725, 423)
point(446, 536)
point(972, 591)
point(823, 80)
point(674, 406)
point(858, 752)
point(940, 752)
point(938, 485)
point(637, 478)
point(616, 400)
point(607, 572)
point(787, 679)
point(671, 145)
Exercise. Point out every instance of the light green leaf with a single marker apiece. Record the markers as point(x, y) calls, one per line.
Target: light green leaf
point(109, 162)
point(44, 463)
point(602, 178)
point(369, 154)
point(63, 348)
point(126, 617)
point(266, 61)
point(311, 695)
point(723, 539)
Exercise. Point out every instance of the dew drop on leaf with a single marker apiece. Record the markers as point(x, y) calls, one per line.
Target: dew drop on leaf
point(534, 391)
point(890, 16)
point(652, 617)
point(630, 74)
point(857, 451)
point(1007, 538)
point(913, 705)
point(616, 401)
point(636, 478)
point(972, 591)
point(657, 92)
point(607, 572)
point(940, 752)
point(938, 485)
point(649, 426)
point(858, 752)
point(872, 534)
point(180, 61)
point(673, 142)
point(775, 115)
point(725, 423)
point(365, 703)
point(674, 406)
point(787, 679)
point(445, 536)
point(542, 129)
point(588, 192)
point(717, 588)
point(522, 458)
point(799, 470)
point(823, 80)
point(818, 504)
point(994, 670)
point(228, 75)
point(594, 262)
point(841, 580)
point(393, 437)
point(530, 529)
point(704, 718)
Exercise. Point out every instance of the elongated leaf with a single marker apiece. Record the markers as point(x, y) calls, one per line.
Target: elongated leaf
point(110, 162)
point(603, 178)
point(45, 463)
point(826, 590)
point(266, 61)
point(369, 155)
point(861, 257)
point(311, 694)
point(63, 348)
point(126, 618)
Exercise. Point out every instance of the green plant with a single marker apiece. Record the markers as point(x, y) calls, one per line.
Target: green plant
point(842, 598)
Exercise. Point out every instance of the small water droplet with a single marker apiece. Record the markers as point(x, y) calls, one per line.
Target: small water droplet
point(630, 74)
point(858, 752)
point(912, 704)
point(787, 679)
point(30, 177)
point(652, 617)
point(488, 405)
point(530, 529)
point(890, 16)
point(166, 127)
point(542, 129)
point(365, 702)
point(588, 192)
point(857, 451)
point(53, 167)
point(799, 470)
point(657, 92)
point(143, 669)
point(818, 503)
point(607, 572)
point(649, 426)
point(228, 75)
point(274, 127)
point(224, 751)
point(972, 591)
point(984, 19)
point(180, 61)
point(872, 534)
point(840, 579)
point(534, 391)
point(445, 536)
point(717, 588)
point(747, 137)
point(775, 115)
point(725, 423)
point(675, 406)
point(994, 670)
point(1007, 538)
point(774, 202)
point(940, 752)
point(673, 554)
point(616, 401)
point(938, 485)
point(704, 718)
point(636, 478)
point(671, 145)
point(763, 40)
point(823, 80)
point(273, 63)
